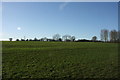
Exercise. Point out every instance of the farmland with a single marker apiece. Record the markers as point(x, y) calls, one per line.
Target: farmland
point(35, 59)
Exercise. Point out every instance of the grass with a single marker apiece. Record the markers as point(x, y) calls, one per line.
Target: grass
point(59, 60)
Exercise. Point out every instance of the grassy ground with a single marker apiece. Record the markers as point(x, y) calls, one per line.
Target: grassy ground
point(59, 60)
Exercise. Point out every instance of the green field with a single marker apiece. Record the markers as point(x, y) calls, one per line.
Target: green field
point(59, 59)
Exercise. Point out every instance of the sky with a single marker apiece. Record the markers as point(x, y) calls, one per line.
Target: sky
point(44, 19)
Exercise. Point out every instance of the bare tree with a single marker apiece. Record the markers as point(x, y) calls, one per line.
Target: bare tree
point(113, 35)
point(119, 35)
point(41, 39)
point(45, 39)
point(104, 35)
point(94, 38)
point(66, 38)
point(56, 37)
point(10, 39)
point(73, 38)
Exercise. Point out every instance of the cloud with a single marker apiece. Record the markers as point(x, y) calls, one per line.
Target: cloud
point(63, 5)
point(18, 28)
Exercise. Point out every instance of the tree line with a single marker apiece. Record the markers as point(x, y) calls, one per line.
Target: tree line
point(106, 36)
point(58, 37)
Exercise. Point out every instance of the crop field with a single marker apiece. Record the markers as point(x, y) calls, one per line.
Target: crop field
point(35, 59)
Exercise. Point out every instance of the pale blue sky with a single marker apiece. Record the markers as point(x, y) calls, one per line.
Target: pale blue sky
point(44, 19)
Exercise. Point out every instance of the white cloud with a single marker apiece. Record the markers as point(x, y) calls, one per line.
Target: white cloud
point(18, 28)
point(62, 6)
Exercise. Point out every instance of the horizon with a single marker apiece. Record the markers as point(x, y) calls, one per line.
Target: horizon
point(44, 19)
